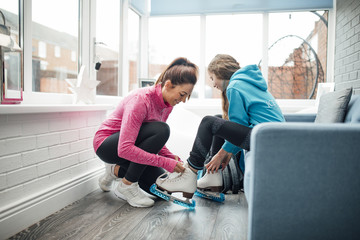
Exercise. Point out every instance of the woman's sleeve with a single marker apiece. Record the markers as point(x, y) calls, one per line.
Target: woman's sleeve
point(132, 119)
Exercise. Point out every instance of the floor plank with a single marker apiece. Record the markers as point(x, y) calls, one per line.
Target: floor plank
point(103, 216)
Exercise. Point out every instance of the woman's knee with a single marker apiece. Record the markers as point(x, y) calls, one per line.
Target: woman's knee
point(159, 129)
point(163, 129)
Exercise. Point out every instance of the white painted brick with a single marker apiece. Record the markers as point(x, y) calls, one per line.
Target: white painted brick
point(2, 147)
point(69, 136)
point(35, 156)
point(35, 127)
point(16, 145)
point(94, 120)
point(10, 163)
point(60, 176)
point(48, 167)
point(22, 175)
point(59, 150)
point(87, 132)
point(11, 195)
point(79, 122)
point(90, 143)
point(9, 129)
point(59, 124)
point(79, 146)
point(78, 170)
point(3, 184)
point(69, 160)
point(32, 117)
point(3, 118)
point(86, 155)
point(95, 163)
point(49, 139)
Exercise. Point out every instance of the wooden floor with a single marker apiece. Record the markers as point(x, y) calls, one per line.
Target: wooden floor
point(103, 216)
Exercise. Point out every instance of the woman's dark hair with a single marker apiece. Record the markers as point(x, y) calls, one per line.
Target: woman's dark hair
point(180, 71)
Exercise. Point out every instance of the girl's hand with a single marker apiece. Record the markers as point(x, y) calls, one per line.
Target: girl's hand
point(179, 168)
point(221, 158)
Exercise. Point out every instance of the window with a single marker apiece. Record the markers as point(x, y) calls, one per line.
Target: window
point(55, 25)
point(107, 46)
point(133, 41)
point(172, 37)
point(57, 51)
point(297, 53)
point(10, 9)
point(42, 49)
point(238, 35)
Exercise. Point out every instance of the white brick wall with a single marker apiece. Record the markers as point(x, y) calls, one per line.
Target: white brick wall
point(40, 151)
point(347, 45)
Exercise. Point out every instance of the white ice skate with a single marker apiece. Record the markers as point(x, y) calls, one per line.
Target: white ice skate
point(166, 184)
point(210, 186)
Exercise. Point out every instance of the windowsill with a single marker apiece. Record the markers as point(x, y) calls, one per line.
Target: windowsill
point(42, 108)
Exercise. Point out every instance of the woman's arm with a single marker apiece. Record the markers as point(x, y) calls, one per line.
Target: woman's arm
point(132, 120)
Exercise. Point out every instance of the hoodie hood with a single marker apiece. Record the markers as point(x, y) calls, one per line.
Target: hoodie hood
point(250, 74)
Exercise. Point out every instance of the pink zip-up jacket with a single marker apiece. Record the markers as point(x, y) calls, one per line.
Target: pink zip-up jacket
point(143, 105)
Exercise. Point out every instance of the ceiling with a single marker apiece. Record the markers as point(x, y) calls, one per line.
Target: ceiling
point(191, 7)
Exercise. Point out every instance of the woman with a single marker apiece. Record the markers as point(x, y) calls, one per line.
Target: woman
point(245, 103)
point(132, 139)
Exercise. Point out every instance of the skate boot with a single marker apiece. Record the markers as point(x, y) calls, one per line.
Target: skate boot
point(210, 186)
point(185, 182)
point(133, 194)
point(106, 180)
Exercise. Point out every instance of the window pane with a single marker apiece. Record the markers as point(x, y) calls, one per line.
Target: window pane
point(238, 35)
point(172, 37)
point(133, 41)
point(297, 54)
point(55, 25)
point(107, 46)
point(10, 9)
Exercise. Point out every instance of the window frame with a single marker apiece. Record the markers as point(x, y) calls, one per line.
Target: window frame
point(85, 51)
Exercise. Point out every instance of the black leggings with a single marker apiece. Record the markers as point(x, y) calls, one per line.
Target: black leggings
point(210, 135)
point(151, 138)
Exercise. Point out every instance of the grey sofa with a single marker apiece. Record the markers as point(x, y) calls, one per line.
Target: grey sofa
point(302, 179)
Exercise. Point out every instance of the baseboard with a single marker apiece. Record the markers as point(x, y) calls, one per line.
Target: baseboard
point(21, 215)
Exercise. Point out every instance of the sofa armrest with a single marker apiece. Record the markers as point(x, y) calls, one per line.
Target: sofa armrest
point(300, 117)
point(304, 181)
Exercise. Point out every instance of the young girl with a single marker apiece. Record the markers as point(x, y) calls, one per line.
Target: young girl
point(245, 102)
point(131, 141)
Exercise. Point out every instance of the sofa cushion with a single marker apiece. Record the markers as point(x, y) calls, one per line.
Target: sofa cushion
point(333, 106)
point(353, 112)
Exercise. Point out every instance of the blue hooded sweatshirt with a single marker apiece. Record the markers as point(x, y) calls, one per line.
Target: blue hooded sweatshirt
point(250, 102)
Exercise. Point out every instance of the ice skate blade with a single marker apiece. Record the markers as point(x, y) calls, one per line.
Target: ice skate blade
point(168, 197)
point(210, 195)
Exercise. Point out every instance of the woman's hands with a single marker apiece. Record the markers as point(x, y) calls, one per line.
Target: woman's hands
point(179, 168)
point(221, 158)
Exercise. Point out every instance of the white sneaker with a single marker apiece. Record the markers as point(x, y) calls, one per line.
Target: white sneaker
point(133, 194)
point(106, 180)
point(184, 182)
point(211, 181)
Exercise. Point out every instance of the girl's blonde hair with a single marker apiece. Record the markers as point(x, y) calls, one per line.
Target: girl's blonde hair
point(223, 66)
point(180, 71)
